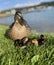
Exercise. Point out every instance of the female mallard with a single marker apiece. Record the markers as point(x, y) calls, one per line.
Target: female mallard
point(19, 29)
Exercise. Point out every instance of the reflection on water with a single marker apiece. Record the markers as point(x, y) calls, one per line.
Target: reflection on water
point(41, 21)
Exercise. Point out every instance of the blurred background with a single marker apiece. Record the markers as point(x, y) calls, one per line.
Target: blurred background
point(39, 14)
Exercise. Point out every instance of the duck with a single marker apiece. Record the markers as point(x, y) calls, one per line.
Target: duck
point(19, 28)
point(34, 41)
point(41, 40)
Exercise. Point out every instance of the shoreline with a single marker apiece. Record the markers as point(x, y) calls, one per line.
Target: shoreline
point(32, 30)
point(5, 15)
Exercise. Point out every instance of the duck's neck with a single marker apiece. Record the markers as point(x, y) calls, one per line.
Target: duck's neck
point(19, 21)
point(16, 21)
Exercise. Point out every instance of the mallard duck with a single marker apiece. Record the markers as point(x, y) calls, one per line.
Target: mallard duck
point(19, 29)
point(34, 41)
point(18, 42)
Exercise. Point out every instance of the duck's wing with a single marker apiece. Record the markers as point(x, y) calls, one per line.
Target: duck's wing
point(24, 22)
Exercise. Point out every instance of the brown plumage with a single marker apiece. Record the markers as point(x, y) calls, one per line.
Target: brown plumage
point(19, 29)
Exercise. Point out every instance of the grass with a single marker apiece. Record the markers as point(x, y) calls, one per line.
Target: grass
point(31, 55)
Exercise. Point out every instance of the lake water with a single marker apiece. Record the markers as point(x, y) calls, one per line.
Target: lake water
point(39, 20)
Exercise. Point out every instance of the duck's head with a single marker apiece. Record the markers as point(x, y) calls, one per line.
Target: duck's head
point(42, 36)
point(18, 15)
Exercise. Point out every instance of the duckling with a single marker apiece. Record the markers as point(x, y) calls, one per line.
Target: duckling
point(25, 40)
point(34, 41)
point(41, 40)
point(17, 42)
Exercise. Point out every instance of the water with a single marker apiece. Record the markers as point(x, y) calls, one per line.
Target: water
point(39, 20)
